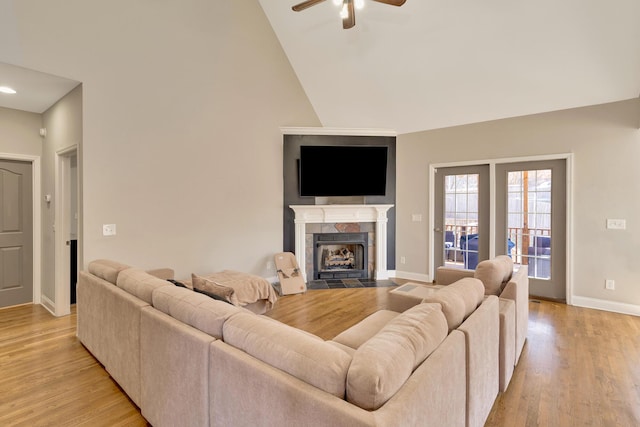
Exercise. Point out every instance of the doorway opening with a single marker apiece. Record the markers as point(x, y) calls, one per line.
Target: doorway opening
point(66, 229)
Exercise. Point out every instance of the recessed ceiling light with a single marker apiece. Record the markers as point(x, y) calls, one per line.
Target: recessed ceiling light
point(5, 89)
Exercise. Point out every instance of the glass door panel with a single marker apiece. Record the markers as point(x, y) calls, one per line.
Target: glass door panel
point(529, 220)
point(461, 221)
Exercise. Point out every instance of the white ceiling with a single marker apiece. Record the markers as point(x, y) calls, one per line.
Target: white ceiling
point(35, 91)
point(438, 63)
point(435, 63)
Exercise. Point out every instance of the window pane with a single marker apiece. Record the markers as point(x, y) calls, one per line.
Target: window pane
point(461, 216)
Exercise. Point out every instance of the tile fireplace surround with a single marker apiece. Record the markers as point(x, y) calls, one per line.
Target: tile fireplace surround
point(321, 214)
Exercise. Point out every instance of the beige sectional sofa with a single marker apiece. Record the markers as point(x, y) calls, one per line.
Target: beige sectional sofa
point(494, 277)
point(186, 359)
point(498, 278)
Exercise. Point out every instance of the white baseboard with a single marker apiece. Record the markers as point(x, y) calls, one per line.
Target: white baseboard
point(411, 276)
point(48, 304)
point(598, 304)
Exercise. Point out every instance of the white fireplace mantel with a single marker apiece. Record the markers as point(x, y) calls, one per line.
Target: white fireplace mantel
point(318, 214)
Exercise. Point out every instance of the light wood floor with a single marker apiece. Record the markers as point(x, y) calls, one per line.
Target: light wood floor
point(580, 367)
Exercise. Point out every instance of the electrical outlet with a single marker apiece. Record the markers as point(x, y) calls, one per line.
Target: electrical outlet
point(610, 284)
point(403, 260)
point(269, 265)
point(108, 229)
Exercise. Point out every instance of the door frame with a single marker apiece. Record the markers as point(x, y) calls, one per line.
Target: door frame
point(62, 221)
point(37, 218)
point(568, 157)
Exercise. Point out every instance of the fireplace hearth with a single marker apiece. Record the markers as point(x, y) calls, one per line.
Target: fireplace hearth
point(340, 256)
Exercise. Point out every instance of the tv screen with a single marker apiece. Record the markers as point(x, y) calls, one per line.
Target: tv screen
point(339, 170)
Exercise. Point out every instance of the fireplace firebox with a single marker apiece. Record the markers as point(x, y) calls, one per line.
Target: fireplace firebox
point(340, 256)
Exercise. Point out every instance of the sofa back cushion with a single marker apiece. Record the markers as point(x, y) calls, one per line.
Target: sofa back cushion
point(106, 269)
point(139, 283)
point(383, 364)
point(494, 273)
point(470, 290)
point(291, 350)
point(458, 300)
point(194, 309)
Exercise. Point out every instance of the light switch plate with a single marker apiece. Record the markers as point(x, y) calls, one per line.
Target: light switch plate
point(616, 224)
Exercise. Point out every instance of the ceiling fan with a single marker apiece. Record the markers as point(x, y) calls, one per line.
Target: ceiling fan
point(348, 10)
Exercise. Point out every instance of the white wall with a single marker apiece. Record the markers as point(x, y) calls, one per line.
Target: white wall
point(63, 122)
point(182, 104)
point(20, 132)
point(605, 141)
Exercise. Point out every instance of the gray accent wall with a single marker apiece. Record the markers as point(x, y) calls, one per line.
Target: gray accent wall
point(291, 195)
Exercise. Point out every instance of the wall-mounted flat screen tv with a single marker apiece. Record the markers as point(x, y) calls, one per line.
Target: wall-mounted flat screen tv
point(339, 170)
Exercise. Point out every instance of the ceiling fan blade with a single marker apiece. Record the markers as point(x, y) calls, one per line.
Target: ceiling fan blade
point(392, 2)
point(350, 20)
point(305, 4)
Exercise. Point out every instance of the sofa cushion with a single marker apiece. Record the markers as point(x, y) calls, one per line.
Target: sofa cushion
point(384, 363)
point(448, 275)
point(452, 303)
point(458, 300)
point(106, 269)
point(162, 273)
point(300, 354)
point(139, 283)
point(362, 331)
point(213, 289)
point(494, 273)
point(471, 291)
point(194, 309)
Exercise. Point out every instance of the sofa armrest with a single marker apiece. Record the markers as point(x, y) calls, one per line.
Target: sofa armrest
point(517, 290)
point(109, 327)
point(448, 275)
point(482, 337)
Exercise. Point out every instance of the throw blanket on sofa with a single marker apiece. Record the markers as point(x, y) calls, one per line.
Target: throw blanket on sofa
point(247, 287)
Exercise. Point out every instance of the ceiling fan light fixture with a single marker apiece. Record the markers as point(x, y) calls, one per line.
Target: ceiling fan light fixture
point(347, 12)
point(7, 89)
point(344, 12)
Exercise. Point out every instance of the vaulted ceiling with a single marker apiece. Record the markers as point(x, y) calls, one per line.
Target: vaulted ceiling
point(438, 63)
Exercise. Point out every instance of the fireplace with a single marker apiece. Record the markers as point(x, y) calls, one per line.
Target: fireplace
point(340, 256)
point(328, 214)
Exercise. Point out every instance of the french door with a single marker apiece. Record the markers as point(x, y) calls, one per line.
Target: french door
point(531, 217)
point(529, 221)
point(461, 223)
